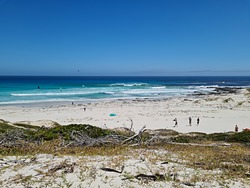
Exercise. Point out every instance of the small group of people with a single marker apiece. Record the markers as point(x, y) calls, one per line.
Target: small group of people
point(189, 120)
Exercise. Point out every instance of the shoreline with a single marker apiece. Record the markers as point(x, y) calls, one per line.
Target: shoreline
point(217, 112)
point(54, 102)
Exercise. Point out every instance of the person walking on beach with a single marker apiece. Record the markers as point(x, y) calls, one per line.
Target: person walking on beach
point(236, 128)
point(198, 121)
point(176, 123)
point(190, 121)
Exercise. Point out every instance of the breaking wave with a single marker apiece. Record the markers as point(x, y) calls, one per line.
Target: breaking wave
point(128, 84)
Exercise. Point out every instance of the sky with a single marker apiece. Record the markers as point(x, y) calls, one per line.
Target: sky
point(125, 37)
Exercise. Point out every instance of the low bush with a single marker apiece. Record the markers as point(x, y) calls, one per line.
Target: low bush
point(240, 137)
point(65, 131)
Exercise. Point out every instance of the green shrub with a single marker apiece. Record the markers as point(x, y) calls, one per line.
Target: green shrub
point(217, 136)
point(181, 139)
point(5, 126)
point(240, 137)
point(230, 137)
point(65, 131)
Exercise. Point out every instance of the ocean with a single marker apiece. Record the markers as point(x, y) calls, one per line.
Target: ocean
point(32, 89)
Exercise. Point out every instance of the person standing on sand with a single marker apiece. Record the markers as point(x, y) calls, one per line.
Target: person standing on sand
point(190, 121)
point(198, 121)
point(236, 128)
point(176, 123)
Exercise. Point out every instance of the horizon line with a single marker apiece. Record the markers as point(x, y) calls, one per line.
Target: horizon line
point(124, 76)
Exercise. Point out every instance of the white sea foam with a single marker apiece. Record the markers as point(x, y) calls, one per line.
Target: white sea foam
point(109, 92)
point(208, 88)
point(203, 86)
point(56, 93)
point(152, 91)
point(159, 87)
point(50, 94)
point(128, 84)
point(36, 101)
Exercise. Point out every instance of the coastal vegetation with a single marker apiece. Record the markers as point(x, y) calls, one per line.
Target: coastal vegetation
point(226, 154)
point(13, 135)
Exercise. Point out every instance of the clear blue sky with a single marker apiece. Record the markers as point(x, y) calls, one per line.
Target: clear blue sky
point(125, 37)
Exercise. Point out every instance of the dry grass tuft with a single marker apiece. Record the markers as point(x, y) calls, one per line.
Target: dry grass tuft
point(54, 147)
point(233, 160)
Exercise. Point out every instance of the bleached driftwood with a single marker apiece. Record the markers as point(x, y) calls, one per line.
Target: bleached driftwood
point(80, 139)
point(132, 123)
point(135, 136)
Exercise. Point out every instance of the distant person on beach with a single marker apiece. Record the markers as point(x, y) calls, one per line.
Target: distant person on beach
point(236, 128)
point(72, 103)
point(84, 109)
point(176, 123)
point(198, 121)
point(190, 121)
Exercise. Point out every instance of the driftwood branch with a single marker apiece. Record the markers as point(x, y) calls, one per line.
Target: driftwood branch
point(81, 139)
point(132, 123)
point(153, 138)
point(136, 135)
point(112, 170)
point(155, 177)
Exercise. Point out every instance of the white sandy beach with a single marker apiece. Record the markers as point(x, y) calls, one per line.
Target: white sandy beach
point(217, 113)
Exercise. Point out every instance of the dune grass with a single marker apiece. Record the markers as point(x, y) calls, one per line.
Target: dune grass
point(233, 160)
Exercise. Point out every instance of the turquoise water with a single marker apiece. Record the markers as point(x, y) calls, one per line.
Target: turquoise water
point(17, 89)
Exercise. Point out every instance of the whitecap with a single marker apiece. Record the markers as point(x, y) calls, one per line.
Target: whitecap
point(128, 84)
point(158, 87)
